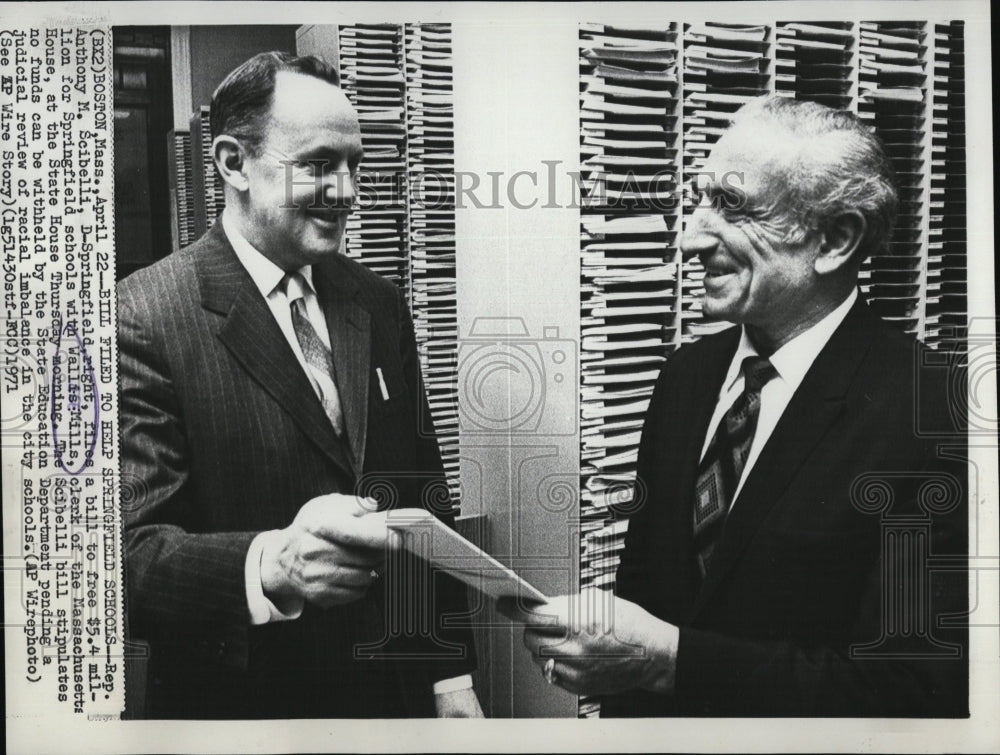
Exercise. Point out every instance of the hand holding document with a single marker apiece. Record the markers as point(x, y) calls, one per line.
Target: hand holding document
point(593, 643)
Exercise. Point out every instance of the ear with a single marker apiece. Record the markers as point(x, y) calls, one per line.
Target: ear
point(230, 159)
point(841, 236)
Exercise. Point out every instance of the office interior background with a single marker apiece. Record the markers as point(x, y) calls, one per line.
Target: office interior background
point(542, 329)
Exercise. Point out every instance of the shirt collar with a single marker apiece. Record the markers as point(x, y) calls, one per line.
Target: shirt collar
point(793, 360)
point(265, 274)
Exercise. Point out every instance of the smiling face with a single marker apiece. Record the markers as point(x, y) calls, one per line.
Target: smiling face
point(300, 182)
point(759, 265)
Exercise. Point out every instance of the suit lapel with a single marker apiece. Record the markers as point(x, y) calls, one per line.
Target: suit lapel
point(701, 395)
point(812, 411)
point(251, 335)
point(350, 340)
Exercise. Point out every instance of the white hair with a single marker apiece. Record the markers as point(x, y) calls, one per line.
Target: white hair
point(840, 164)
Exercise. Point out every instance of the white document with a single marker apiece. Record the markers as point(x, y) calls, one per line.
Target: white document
point(429, 538)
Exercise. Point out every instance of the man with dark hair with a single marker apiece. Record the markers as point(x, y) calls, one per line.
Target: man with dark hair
point(800, 547)
point(265, 378)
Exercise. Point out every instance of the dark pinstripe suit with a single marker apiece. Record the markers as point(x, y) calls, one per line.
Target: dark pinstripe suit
point(224, 437)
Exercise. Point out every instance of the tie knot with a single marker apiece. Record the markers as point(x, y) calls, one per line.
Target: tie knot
point(757, 371)
point(293, 286)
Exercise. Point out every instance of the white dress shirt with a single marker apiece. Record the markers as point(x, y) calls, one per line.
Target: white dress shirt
point(792, 361)
point(267, 278)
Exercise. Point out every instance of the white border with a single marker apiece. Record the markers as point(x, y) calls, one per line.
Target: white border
point(981, 733)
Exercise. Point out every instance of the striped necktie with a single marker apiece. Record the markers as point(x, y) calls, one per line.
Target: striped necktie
point(719, 472)
point(318, 356)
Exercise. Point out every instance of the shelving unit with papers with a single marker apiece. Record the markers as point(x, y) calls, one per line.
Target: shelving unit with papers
point(399, 77)
point(892, 92)
point(371, 74)
point(182, 205)
point(816, 61)
point(206, 186)
point(430, 139)
point(947, 273)
point(630, 219)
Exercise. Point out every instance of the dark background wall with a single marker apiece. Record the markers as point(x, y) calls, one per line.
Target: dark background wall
point(217, 50)
point(163, 75)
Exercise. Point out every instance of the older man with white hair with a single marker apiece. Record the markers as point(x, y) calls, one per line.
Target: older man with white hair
point(800, 548)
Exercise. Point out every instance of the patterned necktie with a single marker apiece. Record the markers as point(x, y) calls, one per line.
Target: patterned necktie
point(719, 472)
point(318, 356)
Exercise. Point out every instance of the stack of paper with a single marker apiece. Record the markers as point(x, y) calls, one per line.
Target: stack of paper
point(725, 65)
point(630, 155)
point(371, 72)
point(947, 263)
point(400, 79)
point(813, 62)
point(604, 547)
point(628, 119)
point(892, 89)
point(430, 170)
point(206, 185)
point(182, 197)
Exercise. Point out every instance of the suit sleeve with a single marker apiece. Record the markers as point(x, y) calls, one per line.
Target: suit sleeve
point(450, 649)
point(182, 587)
point(632, 580)
point(636, 579)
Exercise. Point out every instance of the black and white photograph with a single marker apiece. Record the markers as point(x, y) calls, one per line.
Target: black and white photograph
point(545, 364)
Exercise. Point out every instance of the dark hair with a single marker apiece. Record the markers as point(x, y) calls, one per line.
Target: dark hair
point(242, 102)
point(843, 167)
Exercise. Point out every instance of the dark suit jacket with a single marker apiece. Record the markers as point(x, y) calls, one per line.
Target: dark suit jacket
point(842, 553)
point(223, 437)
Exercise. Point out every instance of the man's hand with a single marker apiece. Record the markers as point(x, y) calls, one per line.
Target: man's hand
point(329, 555)
point(461, 703)
point(596, 643)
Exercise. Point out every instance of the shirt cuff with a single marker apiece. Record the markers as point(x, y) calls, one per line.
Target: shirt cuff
point(262, 610)
point(453, 685)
